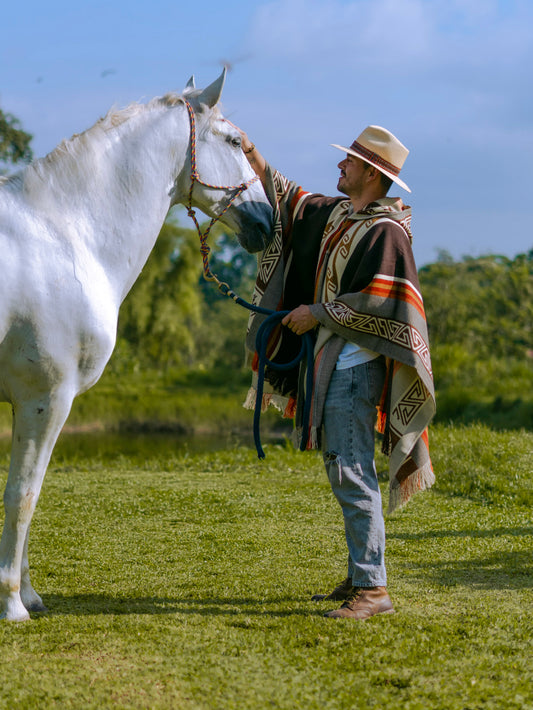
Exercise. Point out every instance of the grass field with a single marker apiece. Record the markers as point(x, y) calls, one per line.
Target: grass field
point(183, 581)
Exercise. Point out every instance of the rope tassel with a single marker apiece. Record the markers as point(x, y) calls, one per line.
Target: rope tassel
point(306, 352)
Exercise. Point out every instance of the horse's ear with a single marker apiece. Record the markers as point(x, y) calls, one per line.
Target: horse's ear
point(211, 94)
point(190, 83)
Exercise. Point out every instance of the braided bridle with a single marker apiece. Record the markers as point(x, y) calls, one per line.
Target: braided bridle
point(195, 177)
point(273, 319)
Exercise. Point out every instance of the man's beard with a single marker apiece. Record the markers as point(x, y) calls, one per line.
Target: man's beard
point(339, 186)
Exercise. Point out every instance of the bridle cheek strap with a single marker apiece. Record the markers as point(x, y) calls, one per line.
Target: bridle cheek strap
point(195, 177)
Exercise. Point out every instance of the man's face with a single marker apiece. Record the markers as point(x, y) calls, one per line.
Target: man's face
point(352, 178)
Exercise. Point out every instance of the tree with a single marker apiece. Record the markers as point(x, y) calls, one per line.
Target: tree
point(157, 319)
point(173, 316)
point(221, 340)
point(14, 141)
point(484, 304)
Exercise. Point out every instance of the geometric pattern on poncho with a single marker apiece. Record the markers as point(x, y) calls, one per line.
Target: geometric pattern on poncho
point(411, 402)
point(401, 334)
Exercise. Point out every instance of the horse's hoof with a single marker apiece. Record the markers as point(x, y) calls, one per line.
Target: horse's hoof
point(15, 615)
point(37, 608)
point(31, 600)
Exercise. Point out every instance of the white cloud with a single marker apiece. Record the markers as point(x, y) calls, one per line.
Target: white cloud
point(458, 66)
point(334, 33)
point(419, 36)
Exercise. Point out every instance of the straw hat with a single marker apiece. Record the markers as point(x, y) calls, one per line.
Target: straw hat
point(381, 149)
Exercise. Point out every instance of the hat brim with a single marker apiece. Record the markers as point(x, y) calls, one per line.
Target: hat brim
point(392, 176)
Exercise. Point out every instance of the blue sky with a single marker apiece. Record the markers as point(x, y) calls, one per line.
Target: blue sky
point(451, 78)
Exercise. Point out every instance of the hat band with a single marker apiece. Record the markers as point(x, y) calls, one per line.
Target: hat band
point(375, 158)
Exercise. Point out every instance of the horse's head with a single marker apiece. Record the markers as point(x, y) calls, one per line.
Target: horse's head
point(223, 175)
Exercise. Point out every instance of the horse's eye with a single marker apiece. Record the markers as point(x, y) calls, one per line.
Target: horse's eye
point(235, 142)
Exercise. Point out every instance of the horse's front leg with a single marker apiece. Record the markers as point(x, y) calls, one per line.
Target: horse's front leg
point(36, 426)
point(31, 600)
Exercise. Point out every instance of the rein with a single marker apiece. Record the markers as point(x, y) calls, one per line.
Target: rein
point(273, 319)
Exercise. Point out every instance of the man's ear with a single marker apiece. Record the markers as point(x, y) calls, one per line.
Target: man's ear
point(373, 173)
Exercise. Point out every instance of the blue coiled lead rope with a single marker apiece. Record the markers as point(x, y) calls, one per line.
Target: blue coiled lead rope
point(261, 343)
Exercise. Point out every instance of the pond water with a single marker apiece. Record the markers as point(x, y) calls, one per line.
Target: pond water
point(109, 445)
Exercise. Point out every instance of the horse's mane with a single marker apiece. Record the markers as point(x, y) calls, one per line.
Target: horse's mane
point(65, 162)
point(70, 150)
point(79, 142)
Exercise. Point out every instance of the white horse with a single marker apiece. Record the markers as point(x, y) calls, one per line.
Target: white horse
point(76, 228)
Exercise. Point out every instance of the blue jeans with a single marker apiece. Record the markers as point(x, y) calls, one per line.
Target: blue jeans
point(349, 421)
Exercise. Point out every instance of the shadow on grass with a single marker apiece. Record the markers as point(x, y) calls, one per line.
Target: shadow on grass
point(101, 604)
point(510, 570)
point(499, 571)
point(431, 534)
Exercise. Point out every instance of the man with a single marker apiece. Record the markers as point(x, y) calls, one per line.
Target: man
point(344, 269)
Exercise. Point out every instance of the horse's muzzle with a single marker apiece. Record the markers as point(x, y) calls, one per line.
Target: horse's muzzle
point(255, 225)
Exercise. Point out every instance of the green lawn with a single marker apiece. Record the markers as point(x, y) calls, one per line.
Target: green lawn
point(184, 582)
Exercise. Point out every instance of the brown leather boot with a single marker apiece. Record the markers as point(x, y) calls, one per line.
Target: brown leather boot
point(363, 603)
point(341, 592)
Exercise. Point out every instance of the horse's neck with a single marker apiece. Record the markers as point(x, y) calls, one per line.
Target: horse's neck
point(110, 189)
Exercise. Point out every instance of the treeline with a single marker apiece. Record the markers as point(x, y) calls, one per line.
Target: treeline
point(480, 316)
point(479, 311)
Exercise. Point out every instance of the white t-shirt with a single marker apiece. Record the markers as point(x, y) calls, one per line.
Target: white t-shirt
point(353, 354)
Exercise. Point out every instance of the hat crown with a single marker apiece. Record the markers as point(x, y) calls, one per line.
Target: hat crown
point(384, 144)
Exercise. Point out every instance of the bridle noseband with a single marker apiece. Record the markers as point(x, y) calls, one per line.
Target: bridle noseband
point(195, 177)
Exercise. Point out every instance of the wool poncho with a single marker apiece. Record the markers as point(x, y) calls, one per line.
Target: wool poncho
point(357, 273)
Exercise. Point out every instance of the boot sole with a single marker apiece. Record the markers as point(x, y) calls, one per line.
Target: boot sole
point(332, 615)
